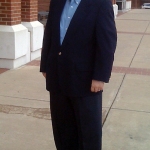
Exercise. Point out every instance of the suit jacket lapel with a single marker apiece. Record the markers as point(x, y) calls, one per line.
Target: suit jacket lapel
point(77, 19)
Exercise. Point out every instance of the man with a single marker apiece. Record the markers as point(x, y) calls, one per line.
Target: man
point(77, 57)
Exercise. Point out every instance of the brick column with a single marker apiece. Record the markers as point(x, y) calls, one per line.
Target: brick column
point(29, 10)
point(43, 5)
point(10, 12)
point(13, 35)
point(114, 1)
point(29, 18)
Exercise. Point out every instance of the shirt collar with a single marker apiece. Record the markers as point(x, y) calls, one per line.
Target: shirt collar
point(76, 1)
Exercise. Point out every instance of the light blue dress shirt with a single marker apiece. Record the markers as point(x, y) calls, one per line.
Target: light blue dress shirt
point(67, 14)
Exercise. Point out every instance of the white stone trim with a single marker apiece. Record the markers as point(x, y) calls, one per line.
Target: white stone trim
point(13, 43)
point(115, 6)
point(14, 46)
point(128, 5)
point(20, 44)
point(35, 54)
point(37, 30)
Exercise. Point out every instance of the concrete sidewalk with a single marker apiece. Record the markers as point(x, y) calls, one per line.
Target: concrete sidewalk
point(24, 104)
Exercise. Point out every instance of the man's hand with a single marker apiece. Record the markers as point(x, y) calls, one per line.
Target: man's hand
point(44, 74)
point(97, 86)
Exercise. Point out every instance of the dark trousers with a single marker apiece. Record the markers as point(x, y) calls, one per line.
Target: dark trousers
point(77, 121)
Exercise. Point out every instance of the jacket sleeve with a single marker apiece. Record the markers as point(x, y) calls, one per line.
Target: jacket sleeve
point(46, 39)
point(106, 40)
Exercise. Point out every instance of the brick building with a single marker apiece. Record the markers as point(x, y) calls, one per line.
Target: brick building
point(124, 5)
point(138, 3)
point(43, 5)
point(20, 32)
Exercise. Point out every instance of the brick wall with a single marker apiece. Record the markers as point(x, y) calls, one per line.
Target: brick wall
point(10, 12)
point(43, 5)
point(29, 10)
point(145, 1)
point(138, 3)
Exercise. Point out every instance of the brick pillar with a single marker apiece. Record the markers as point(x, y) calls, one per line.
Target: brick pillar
point(43, 5)
point(29, 10)
point(29, 18)
point(13, 35)
point(10, 12)
point(114, 1)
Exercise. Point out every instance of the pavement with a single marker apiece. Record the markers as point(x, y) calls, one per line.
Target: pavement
point(25, 122)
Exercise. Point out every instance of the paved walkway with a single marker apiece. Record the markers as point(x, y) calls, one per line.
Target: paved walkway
point(24, 104)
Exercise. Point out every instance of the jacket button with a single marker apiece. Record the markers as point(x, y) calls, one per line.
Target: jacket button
point(59, 53)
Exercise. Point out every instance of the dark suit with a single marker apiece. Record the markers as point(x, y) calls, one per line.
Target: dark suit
point(86, 53)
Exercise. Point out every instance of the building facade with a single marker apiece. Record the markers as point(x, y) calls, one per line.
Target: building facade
point(124, 5)
point(43, 5)
point(138, 3)
point(20, 32)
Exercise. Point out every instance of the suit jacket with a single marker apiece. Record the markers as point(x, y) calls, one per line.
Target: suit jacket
point(87, 51)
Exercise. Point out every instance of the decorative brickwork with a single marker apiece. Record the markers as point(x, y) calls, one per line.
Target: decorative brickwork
point(2, 70)
point(29, 10)
point(10, 12)
point(115, 69)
